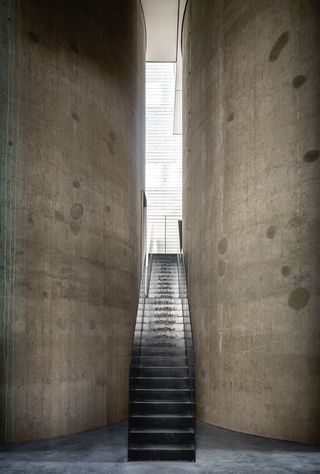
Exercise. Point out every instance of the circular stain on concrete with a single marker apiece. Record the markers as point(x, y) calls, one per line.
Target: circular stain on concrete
point(76, 184)
point(76, 211)
point(230, 117)
point(222, 245)
point(222, 267)
point(75, 227)
point(75, 116)
point(111, 148)
point(271, 232)
point(112, 135)
point(33, 37)
point(311, 156)
point(298, 298)
point(285, 270)
point(298, 81)
point(278, 46)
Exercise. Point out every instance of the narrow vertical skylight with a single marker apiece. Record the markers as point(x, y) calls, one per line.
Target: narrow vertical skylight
point(163, 159)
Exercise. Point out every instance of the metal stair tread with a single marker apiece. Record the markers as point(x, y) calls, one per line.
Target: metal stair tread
point(158, 402)
point(162, 430)
point(164, 415)
point(162, 357)
point(163, 389)
point(162, 447)
point(161, 367)
point(148, 377)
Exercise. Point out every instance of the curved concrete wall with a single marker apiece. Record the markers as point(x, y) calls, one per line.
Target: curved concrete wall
point(72, 170)
point(251, 203)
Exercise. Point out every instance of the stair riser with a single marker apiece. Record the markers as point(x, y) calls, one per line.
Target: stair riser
point(161, 423)
point(159, 343)
point(159, 361)
point(150, 333)
point(154, 310)
point(163, 301)
point(150, 310)
point(152, 315)
point(160, 334)
point(172, 316)
point(169, 268)
point(170, 265)
point(160, 383)
point(151, 337)
point(161, 438)
point(151, 303)
point(156, 350)
point(159, 351)
point(176, 395)
point(153, 329)
point(156, 322)
point(160, 372)
point(170, 455)
point(174, 345)
point(145, 408)
point(162, 319)
point(163, 293)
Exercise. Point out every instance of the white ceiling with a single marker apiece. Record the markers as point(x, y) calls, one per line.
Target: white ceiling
point(162, 17)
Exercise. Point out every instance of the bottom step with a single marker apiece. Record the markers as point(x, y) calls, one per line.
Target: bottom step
point(149, 452)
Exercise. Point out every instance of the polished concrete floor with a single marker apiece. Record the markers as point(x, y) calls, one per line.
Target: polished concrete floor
point(105, 451)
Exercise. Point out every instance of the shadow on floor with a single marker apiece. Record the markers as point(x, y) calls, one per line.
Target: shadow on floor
point(105, 451)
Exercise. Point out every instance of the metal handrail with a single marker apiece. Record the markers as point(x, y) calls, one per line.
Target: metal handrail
point(147, 278)
point(134, 338)
point(145, 281)
point(190, 353)
point(166, 229)
point(149, 262)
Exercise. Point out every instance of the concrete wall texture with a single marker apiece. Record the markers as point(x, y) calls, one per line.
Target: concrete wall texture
point(251, 202)
point(72, 170)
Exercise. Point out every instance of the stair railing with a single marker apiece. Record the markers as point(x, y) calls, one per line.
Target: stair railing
point(188, 332)
point(137, 337)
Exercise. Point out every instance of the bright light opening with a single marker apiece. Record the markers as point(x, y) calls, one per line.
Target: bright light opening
point(163, 160)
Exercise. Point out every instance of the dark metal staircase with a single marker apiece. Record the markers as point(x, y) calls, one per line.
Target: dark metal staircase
point(162, 372)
